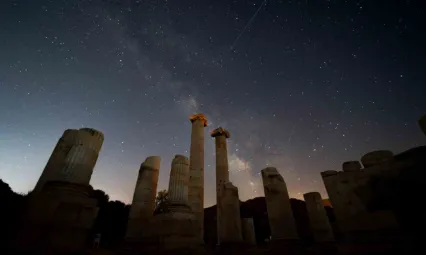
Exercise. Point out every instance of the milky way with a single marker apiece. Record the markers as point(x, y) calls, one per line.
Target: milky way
point(309, 84)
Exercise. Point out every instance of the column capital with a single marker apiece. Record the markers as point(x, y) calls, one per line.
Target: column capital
point(220, 131)
point(200, 117)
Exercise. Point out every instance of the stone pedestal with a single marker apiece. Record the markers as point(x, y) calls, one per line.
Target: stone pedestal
point(59, 219)
point(196, 169)
point(247, 226)
point(280, 214)
point(319, 222)
point(143, 203)
point(230, 226)
point(170, 233)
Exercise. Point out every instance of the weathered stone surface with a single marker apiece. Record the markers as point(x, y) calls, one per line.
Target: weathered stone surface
point(173, 231)
point(351, 166)
point(73, 158)
point(179, 180)
point(230, 227)
point(319, 222)
point(196, 169)
point(340, 189)
point(82, 157)
point(247, 226)
point(143, 203)
point(222, 172)
point(59, 219)
point(376, 158)
point(281, 220)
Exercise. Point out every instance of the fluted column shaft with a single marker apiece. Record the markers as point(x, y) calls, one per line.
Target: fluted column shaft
point(179, 178)
point(143, 203)
point(73, 158)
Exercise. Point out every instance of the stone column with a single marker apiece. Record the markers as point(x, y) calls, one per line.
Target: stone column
point(230, 228)
point(82, 157)
point(178, 183)
point(196, 169)
point(222, 171)
point(320, 224)
point(249, 235)
point(280, 214)
point(422, 123)
point(57, 159)
point(143, 203)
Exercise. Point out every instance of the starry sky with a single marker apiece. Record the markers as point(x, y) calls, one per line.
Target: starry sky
point(300, 85)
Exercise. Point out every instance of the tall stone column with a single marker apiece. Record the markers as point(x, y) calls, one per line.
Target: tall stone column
point(422, 123)
point(222, 171)
point(178, 183)
point(143, 203)
point(280, 214)
point(230, 227)
point(249, 235)
point(196, 169)
point(320, 224)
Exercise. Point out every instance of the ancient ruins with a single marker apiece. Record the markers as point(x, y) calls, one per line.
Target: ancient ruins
point(280, 215)
point(143, 202)
point(196, 169)
point(62, 209)
point(319, 222)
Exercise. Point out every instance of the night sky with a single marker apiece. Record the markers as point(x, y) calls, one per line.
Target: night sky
point(300, 85)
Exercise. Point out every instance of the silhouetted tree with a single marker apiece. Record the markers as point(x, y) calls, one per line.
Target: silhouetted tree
point(161, 202)
point(12, 205)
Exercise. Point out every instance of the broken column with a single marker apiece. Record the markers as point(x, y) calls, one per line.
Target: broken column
point(222, 171)
point(143, 203)
point(230, 227)
point(422, 123)
point(320, 224)
point(57, 158)
point(82, 157)
point(178, 184)
point(280, 214)
point(62, 208)
point(177, 228)
point(247, 226)
point(196, 169)
point(351, 166)
point(376, 158)
point(73, 158)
